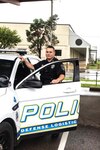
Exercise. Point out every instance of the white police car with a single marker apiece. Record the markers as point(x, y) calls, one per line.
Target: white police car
point(28, 107)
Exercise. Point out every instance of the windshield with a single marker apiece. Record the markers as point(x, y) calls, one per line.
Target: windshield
point(6, 67)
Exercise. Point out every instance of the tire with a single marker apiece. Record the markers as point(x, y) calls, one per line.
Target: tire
point(6, 136)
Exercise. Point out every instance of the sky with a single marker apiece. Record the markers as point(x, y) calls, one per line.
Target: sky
point(82, 15)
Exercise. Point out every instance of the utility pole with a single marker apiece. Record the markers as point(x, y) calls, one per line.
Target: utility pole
point(51, 16)
point(51, 8)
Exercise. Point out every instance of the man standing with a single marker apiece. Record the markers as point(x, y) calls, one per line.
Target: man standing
point(54, 73)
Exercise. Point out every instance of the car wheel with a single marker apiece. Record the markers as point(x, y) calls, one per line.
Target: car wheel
point(6, 136)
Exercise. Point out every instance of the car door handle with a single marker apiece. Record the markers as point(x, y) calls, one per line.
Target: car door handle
point(69, 90)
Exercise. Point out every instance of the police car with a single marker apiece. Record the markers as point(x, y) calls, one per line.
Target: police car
point(29, 108)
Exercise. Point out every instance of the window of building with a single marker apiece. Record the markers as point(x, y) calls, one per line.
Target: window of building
point(58, 52)
point(78, 42)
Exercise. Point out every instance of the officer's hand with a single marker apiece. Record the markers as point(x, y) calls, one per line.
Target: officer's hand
point(55, 81)
point(22, 58)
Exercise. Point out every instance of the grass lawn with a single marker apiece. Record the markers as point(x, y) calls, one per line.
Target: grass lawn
point(86, 84)
point(90, 85)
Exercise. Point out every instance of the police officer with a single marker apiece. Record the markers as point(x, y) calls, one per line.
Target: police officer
point(54, 73)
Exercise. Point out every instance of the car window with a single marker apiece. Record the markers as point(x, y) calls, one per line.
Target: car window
point(6, 67)
point(22, 72)
point(68, 68)
point(69, 72)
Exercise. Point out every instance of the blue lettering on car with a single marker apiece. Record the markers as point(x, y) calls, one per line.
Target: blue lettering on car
point(48, 110)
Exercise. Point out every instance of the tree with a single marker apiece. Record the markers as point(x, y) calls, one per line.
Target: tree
point(41, 33)
point(8, 38)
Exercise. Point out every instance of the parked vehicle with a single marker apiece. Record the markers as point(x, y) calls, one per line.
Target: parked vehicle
point(29, 108)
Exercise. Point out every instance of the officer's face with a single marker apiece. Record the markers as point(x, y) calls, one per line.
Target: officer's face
point(50, 53)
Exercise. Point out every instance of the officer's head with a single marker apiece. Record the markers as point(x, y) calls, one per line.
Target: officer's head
point(50, 52)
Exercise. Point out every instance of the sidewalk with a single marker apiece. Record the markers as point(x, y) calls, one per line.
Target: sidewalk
point(86, 91)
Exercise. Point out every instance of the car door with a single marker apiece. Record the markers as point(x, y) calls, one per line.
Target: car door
point(49, 107)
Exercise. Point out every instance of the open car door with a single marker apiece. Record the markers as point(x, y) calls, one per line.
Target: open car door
point(53, 107)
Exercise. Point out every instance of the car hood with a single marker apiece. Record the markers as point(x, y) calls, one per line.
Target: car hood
point(2, 91)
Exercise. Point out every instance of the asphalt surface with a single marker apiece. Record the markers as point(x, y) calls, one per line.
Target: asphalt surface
point(89, 108)
point(84, 138)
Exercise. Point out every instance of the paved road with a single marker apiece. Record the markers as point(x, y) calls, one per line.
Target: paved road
point(39, 143)
point(84, 138)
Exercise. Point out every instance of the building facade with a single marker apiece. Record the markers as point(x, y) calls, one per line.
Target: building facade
point(70, 44)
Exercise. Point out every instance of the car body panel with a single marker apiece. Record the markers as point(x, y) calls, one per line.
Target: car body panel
point(40, 112)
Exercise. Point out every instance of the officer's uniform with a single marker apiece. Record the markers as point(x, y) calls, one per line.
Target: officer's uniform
point(50, 72)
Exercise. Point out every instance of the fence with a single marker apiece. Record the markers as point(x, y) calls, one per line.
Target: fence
point(89, 76)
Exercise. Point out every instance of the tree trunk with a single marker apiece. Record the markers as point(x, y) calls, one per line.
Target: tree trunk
point(39, 50)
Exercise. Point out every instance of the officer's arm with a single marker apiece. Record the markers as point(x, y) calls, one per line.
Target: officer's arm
point(59, 79)
point(28, 64)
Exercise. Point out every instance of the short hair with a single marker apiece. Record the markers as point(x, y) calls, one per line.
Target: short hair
point(50, 46)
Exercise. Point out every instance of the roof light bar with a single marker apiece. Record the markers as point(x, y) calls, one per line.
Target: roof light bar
point(21, 52)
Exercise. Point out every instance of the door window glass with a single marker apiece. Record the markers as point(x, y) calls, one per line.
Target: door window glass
point(22, 72)
point(47, 73)
point(6, 67)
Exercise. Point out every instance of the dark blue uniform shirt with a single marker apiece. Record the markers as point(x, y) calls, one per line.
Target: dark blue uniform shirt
point(50, 72)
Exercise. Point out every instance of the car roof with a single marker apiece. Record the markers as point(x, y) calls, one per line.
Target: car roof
point(32, 56)
point(8, 56)
point(13, 54)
